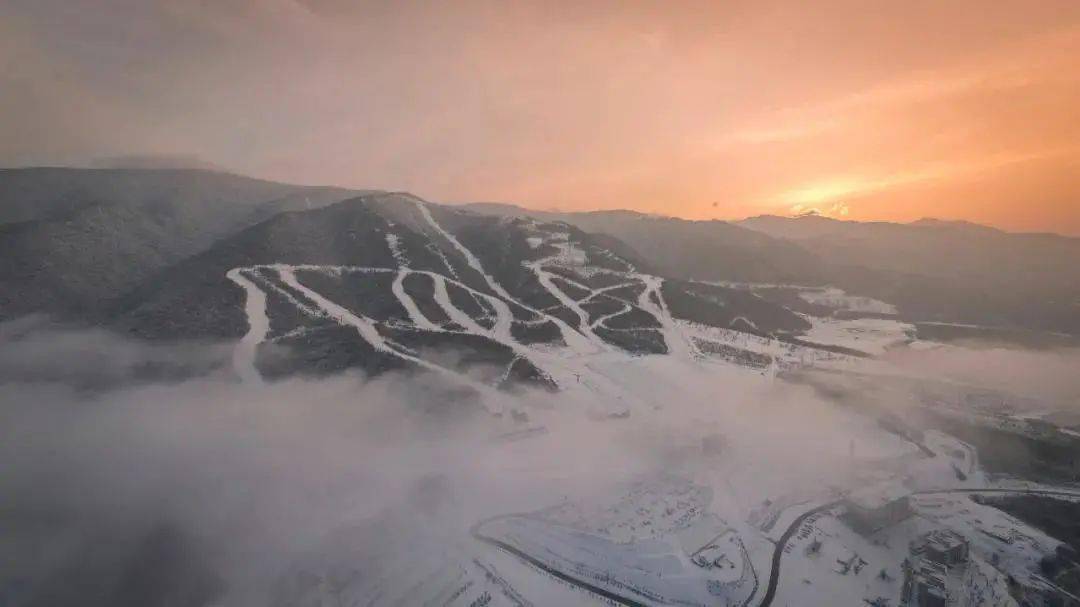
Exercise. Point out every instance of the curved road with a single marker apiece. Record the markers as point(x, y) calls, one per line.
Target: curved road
point(573, 581)
point(774, 573)
point(778, 552)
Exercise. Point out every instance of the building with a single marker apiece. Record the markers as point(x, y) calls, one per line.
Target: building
point(943, 547)
point(934, 556)
point(874, 508)
point(925, 584)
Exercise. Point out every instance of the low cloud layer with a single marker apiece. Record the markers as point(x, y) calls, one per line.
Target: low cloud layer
point(207, 491)
point(1046, 375)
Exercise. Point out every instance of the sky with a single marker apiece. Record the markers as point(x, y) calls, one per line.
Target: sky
point(859, 110)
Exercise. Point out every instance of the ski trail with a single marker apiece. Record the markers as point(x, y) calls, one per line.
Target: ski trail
point(442, 256)
point(415, 315)
point(554, 367)
point(364, 325)
point(583, 327)
point(678, 343)
point(470, 259)
point(368, 331)
point(564, 372)
point(581, 342)
point(575, 340)
point(303, 307)
point(600, 321)
point(504, 318)
point(442, 297)
point(603, 290)
point(258, 328)
point(574, 283)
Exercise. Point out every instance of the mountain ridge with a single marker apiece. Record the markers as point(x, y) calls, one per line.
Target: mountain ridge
point(379, 280)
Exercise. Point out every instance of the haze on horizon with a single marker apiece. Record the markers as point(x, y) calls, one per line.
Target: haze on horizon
point(890, 111)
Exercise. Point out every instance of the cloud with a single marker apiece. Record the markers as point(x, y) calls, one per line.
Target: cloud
point(202, 490)
point(1046, 375)
point(619, 107)
point(854, 187)
point(209, 491)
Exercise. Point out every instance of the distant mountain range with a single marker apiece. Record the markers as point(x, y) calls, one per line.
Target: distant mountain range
point(166, 254)
point(932, 270)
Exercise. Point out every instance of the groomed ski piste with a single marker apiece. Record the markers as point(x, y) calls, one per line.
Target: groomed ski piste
point(742, 528)
point(584, 361)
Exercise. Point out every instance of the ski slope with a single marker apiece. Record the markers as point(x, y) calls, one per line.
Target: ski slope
point(583, 362)
point(258, 327)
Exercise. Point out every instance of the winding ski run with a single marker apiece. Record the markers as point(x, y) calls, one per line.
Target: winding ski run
point(567, 367)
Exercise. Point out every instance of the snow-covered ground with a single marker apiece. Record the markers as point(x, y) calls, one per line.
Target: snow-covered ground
point(869, 335)
point(258, 327)
point(745, 456)
point(837, 299)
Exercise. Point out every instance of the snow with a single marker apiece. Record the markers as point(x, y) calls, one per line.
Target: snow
point(367, 329)
point(878, 496)
point(577, 341)
point(678, 343)
point(837, 299)
point(470, 258)
point(870, 335)
point(583, 327)
point(258, 328)
point(394, 243)
point(415, 315)
point(599, 322)
point(704, 537)
point(983, 585)
point(707, 540)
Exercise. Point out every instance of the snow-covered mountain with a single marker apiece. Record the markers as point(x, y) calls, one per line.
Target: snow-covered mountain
point(376, 281)
point(613, 407)
point(387, 281)
point(73, 240)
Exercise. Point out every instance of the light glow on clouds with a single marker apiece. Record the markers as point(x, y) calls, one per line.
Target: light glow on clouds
point(696, 109)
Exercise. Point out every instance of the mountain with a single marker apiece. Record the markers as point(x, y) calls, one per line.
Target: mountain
point(948, 249)
point(73, 239)
point(154, 161)
point(932, 271)
point(698, 250)
point(436, 287)
point(317, 280)
point(314, 280)
point(946, 271)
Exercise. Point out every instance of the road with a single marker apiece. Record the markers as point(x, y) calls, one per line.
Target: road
point(778, 553)
point(573, 581)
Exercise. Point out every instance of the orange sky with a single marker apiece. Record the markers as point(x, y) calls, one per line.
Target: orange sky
point(864, 110)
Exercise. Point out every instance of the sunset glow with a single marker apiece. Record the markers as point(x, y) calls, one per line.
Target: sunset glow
point(894, 111)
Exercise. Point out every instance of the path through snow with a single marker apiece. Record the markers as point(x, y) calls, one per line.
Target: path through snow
point(258, 328)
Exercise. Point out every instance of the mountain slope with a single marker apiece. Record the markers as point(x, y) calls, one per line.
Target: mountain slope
point(388, 281)
point(946, 271)
point(932, 271)
point(700, 250)
point(71, 240)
